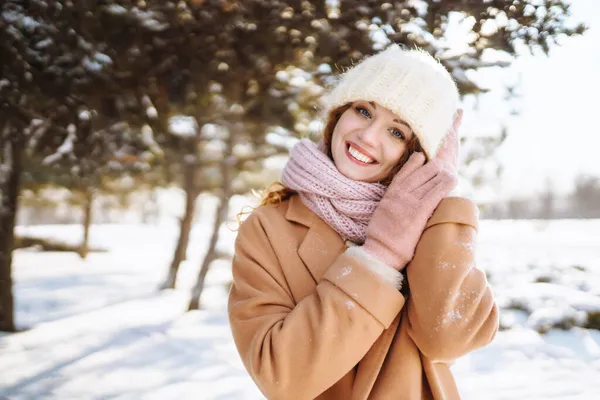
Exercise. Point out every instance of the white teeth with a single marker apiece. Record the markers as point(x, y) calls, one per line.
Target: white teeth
point(359, 156)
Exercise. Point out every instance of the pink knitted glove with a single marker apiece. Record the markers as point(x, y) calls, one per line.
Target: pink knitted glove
point(410, 200)
point(448, 152)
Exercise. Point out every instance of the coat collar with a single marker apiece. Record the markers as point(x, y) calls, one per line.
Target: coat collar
point(298, 212)
point(321, 245)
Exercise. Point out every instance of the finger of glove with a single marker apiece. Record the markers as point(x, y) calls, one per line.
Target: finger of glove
point(422, 191)
point(444, 184)
point(422, 175)
point(448, 152)
point(414, 162)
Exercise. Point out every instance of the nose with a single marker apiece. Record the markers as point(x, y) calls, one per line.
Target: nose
point(369, 135)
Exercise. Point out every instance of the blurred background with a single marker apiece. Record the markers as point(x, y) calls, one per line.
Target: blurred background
point(133, 132)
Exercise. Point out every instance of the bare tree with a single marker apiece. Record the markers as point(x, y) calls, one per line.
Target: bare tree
point(585, 198)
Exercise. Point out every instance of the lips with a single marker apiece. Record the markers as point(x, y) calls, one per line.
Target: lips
point(358, 155)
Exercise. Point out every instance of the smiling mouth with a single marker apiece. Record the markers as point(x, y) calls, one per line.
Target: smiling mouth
point(357, 156)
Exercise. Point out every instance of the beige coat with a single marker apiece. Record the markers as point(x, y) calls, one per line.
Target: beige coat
point(311, 321)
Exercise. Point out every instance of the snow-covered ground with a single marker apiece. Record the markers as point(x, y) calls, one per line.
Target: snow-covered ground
point(100, 330)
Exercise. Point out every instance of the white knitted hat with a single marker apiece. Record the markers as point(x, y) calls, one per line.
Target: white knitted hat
point(411, 83)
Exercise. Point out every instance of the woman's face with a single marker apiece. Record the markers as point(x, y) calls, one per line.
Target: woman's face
point(368, 142)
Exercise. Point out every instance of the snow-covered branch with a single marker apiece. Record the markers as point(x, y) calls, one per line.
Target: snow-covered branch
point(65, 148)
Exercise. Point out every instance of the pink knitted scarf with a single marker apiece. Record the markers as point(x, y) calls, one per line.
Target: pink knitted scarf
point(345, 204)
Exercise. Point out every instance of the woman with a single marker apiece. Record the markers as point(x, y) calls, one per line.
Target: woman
point(356, 278)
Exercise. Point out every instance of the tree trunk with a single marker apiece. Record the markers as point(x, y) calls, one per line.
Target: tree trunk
point(9, 197)
point(191, 195)
point(87, 220)
point(221, 215)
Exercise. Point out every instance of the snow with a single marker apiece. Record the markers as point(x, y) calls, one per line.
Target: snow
point(412, 27)
point(12, 16)
point(149, 141)
point(116, 9)
point(282, 76)
point(183, 126)
point(379, 37)
point(25, 21)
point(419, 5)
point(148, 19)
point(65, 148)
point(522, 364)
point(350, 304)
point(152, 112)
point(278, 140)
point(99, 329)
point(345, 272)
point(155, 25)
point(460, 75)
point(42, 44)
point(97, 62)
point(243, 150)
point(91, 64)
point(298, 81)
point(324, 69)
point(102, 58)
point(333, 9)
point(444, 265)
point(85, 115)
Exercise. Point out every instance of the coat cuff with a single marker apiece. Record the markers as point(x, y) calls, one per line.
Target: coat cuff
point(384, 271)
point(369, 289)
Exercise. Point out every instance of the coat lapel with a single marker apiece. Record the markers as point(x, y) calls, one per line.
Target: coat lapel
point(321, 245)
point(318, 250)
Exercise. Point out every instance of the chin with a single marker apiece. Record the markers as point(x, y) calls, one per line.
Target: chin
point(351, 173)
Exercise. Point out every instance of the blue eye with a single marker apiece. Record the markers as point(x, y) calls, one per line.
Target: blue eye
point(397, 133)
point(363, 111)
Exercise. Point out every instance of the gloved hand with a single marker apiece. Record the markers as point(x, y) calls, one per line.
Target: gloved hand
point(410, 200)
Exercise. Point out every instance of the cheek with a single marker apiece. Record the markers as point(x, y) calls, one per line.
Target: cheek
point(337, 144)
point(340, 132)
point(336, 139)
point(342, 127)
point(394, 154)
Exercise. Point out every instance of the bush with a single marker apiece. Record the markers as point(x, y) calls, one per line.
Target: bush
point(22, 242)
point(593, 320)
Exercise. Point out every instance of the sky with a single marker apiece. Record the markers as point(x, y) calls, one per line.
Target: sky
point(555, 137)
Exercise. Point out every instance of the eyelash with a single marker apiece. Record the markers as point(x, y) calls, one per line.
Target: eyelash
point(394, 132)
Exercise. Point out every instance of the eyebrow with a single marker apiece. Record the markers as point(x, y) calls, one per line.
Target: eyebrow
point(398, 121)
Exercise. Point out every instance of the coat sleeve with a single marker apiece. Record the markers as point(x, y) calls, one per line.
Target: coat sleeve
point(297, 351)
point(450, 307)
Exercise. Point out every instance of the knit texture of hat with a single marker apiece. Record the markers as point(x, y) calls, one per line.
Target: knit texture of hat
point(410, 83)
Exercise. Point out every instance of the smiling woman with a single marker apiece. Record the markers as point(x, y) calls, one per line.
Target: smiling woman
point(331, 297)
point(368, 135)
